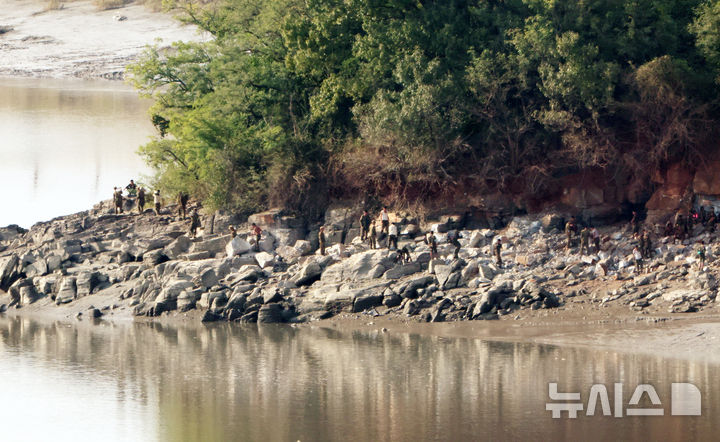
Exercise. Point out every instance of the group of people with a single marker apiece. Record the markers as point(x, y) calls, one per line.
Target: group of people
point(679, 230)
point(684, 224)
point(587, 235)
point(134, 192)
point(137, 193)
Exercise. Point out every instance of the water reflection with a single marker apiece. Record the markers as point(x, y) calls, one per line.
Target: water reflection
point(65, 143)
point(228, 382)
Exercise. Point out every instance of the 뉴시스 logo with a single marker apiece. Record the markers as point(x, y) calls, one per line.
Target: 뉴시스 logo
point(685, 400)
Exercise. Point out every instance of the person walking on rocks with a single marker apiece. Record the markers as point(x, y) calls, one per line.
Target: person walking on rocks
point(701, 255)
point(453, 238)
point(385, 221)
point(256, 231)
point(194, 223)
point(638, 260)
point(585, 241)
point(141, 200)
point(432, 242)
point(393, 236)
point(158, 201)
point(570, 231)
point(321, 240)
point(497, 249)
point(373, 236)
point(182, 204)
point(364, 225)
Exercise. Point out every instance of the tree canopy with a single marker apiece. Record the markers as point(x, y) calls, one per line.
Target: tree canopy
point(292, 102)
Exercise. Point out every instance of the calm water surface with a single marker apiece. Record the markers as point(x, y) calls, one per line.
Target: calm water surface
point(65, 144)
point(148, 382)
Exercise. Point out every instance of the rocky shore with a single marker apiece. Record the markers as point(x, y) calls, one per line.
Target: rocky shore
point(99, 264)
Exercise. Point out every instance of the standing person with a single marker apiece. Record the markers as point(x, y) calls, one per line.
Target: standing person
point(634, 223)
point(585, 241)
point(194, 223)
point(131, 189)
point(141, 200)
point(453, 237)
point(701, 255)
point(385, 221)
point(373, 236)
point(256, 231)
point(182, 204)
point(233, 231)
point(646, 242)
point(364, 225)
point(638, 260)
point(393, 236)
point(497, 249)
point(116, 206)
point(158, 201)
point(570, 231)
point(321, 240)
point(432, 242)
point(595, 236)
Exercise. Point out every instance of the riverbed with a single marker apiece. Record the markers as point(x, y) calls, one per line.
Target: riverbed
point(82, 380)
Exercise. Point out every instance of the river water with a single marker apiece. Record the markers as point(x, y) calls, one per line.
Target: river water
point(153, 382)
point(65, 144)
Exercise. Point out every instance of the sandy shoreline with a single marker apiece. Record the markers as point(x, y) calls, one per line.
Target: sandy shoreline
point(79, 40)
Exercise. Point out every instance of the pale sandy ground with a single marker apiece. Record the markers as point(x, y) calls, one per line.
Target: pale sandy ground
point(79, 40)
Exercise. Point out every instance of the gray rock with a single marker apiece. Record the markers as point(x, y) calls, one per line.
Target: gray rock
point(309, 273)
point(179, 246)
point(392, 300)
point(208, 278)
point(366, 301)
point(8, 271)
point(411, 308)
point(67, 291)
point(402, 270)
point(272, 295)
point(270, 313)
point(187, 299)
point(28, 295)
point(210, 316)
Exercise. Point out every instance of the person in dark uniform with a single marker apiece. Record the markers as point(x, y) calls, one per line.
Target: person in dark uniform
point(432, 242)
point(453, 237)
point(194, 223)
point(373, 236)
point(233, 231)
point(256, 231)
point(141, 200)
point(321, 240)
point(364, 225)
point(182, 204)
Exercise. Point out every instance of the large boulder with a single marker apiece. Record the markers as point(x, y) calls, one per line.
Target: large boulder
point(237, 246)
point(264, 259)
point(179, 246)
point(401, 270)
point(360, 266)
point(308, 274)
point(213, 246)
point(8, 271)
point(67, 291)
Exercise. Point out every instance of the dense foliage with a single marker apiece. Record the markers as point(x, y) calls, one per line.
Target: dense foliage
point(291, 102)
